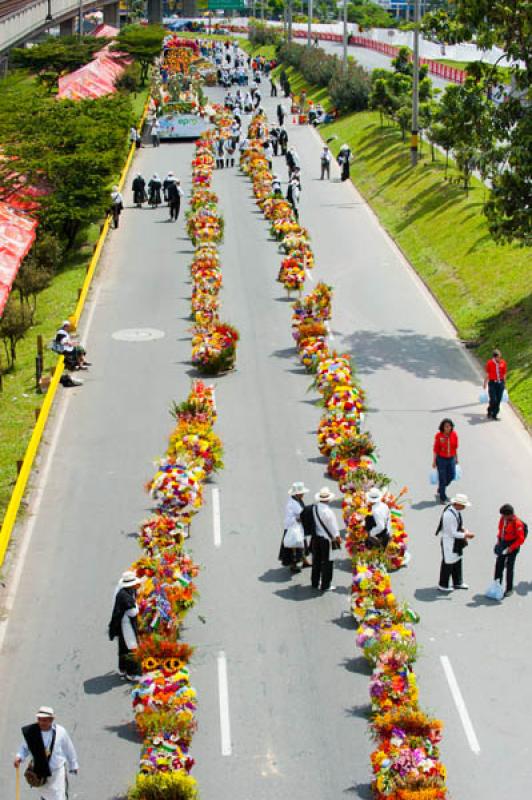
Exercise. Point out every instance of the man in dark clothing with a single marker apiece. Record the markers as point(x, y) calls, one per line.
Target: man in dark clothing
point(175, 193)
point(280, 115)
point(123, 624)
point(283, 140)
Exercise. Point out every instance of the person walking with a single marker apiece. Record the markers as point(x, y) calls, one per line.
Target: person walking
point(175, 193)
point(291, 554)
point(510, 537)
point(326, 539)
point(170, 178)
point(344, 159)
point(292, 195)
point(117, 205)
point(273, 86)
point(454, 539)
point(495, 382)
point(138, 188)
point(283, 140)
point(280, 114)
point(445, 456)
point(52, 754)
point(268, 152)
point(229, 148)
point(377, 522)
point(123, 624)
point(154, 190)
point(325, 160)
point(220, 153)
point(155, 133)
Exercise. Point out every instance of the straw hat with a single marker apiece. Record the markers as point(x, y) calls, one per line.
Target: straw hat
point(461, 500)
point(45, 712)
point(324, 495)
point(128, 580)
point(298, 487)
point(374, 495)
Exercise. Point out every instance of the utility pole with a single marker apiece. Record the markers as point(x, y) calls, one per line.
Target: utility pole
point(345, 37)
point(415, 89)
point(80, 15)
point(309, 28)
point(262, 4)
point(289, 21)
point(253, 9)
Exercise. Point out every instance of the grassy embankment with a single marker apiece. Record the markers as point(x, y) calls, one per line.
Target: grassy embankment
point(19, 400)
point(485, 288)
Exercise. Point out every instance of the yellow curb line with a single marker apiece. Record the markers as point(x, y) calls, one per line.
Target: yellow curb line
point(38, 430)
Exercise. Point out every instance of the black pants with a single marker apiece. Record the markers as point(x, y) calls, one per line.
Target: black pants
point(273, 92)
point(325, 170)
point(175, 207)
point(126, 660)
point(508, 563)
point(495, 393)
point(453, 571)
point(322, 566)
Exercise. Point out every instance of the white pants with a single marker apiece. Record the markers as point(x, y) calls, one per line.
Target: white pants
point(55, 787)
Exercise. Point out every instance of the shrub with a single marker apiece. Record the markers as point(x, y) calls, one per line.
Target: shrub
point(349, 90)
point(260, 34)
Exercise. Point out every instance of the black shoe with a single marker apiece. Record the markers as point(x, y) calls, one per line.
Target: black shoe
point(508, 592)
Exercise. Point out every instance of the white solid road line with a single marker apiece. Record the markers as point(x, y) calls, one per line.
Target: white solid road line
point(216, 524)
point(223, 691)
point(460, 705)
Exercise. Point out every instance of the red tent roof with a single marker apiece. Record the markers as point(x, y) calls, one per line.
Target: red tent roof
point(17, 234)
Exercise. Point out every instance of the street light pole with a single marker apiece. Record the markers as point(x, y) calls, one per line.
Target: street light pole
point(309, 23)
point(290, 21)
point(345, 36)
point(80, 16)
point(415, 89)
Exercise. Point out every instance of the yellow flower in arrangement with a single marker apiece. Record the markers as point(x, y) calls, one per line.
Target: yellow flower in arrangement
point(196, 440)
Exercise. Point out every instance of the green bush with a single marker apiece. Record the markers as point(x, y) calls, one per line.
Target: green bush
point(260, 34)
point(349, 90)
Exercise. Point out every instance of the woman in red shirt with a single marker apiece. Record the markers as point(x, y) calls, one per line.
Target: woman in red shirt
point(445, 456)
point(510, 537)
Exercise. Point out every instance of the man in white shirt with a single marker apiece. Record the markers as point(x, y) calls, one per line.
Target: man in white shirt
point(52, 754)
point(378, 520)
point(322, 543)
point(453, 540)
point(325, 163)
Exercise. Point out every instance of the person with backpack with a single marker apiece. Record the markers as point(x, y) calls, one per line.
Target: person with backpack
point(454, 539)
point(324, 542)
point(510, 537)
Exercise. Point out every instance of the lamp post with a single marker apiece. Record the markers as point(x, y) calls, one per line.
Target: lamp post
point(309, 25)
point(80, 16)
point(345, 37)
point(48, 18)
point(415, 89)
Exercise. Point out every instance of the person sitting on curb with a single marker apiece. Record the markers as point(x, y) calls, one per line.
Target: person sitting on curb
point(73, 352)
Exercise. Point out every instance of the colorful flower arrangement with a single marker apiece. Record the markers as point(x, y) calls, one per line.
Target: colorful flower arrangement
point(406, 762)
point(164, 701)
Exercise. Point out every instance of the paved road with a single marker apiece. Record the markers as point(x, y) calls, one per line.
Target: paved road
point(297, 689)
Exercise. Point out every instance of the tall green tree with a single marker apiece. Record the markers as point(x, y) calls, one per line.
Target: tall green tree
point(506, 155)
point(141, 42)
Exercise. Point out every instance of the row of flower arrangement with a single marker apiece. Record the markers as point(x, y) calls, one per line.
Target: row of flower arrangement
point(405, 761)
point(213, 341)
point(164, 701)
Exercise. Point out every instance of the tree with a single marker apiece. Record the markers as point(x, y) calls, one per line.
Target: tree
point(349, 90)
point(141, 42)
point(55, 55)
point(506, 155)
point(367, 14)
point(13, 327)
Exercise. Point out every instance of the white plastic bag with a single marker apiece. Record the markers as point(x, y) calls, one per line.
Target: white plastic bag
point(505, 397)
point(495, 591)
point(433, 477)
point(294, 536)
point(483, 396)
point(458, 472)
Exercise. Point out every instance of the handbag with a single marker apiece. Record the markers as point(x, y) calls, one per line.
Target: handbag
point(459, 545)
point(499, 548)
point(32, 779)
point(294, 536)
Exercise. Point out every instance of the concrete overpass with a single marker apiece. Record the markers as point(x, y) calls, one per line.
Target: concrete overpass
point(21, 20)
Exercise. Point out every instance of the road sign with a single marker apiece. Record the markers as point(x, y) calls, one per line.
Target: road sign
point(226, 5)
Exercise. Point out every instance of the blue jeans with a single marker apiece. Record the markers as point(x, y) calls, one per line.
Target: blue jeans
point(446, 473)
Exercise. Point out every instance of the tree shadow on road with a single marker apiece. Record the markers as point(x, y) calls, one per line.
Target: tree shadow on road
point(421, 355)
point(103, 683)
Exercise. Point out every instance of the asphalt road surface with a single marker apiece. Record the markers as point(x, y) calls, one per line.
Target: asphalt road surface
point(297, 688)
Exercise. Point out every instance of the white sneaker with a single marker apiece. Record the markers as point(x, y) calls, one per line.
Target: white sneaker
point(462, 586)
point(330, 589)
point(444, 589)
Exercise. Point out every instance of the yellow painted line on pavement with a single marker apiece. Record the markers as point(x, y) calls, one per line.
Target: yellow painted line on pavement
point(36, 436)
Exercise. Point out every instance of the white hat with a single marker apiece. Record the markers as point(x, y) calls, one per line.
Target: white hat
point(461, 500)
point(298, 487)
point(374, 495)
point(129, 579)
point(324, 495)
point(344, 147)
point(45, 712)
point(66, 322)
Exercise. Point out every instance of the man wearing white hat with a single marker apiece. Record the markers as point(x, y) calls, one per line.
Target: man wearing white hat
point(52, 753)
point(454, 538)
point(123, 624)
point(377, 521)
point(326, 539)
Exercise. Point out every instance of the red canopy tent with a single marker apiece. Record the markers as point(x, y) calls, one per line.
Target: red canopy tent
point(17, 234)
